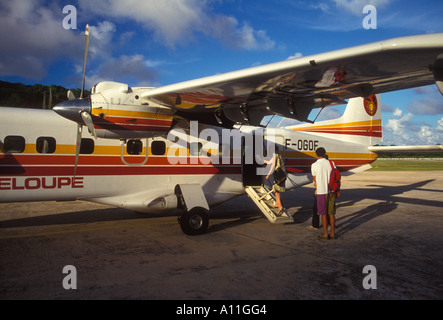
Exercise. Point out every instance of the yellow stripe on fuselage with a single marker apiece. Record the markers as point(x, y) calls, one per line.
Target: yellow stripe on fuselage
point(62, 149)
point(66, 149)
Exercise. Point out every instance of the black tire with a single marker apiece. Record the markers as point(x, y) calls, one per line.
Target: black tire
point(194, 221)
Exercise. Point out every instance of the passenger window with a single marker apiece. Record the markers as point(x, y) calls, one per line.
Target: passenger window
point(134, 147)
point(224, 150)
point(14, 144)
point(195, 148)
point(158, 148)
point(45, 145)
point(87, 146)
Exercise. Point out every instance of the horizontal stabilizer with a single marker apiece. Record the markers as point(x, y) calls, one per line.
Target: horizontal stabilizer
point(388, 149)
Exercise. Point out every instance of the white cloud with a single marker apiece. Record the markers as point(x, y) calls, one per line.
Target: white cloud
point(134, 70)
point(251, 39)
point(134, 66)
point(428, 101)
point(176, 22)
point(103, 31)
point(101, 39)
point(397, 112)
point(172, 21)
point(228, 31)
point(322, 6)
point(402, 130)
point(348, 15)
point(356, 6)
point(295, 56)
point(426, 135)
point(34, 36)
point(399, 128)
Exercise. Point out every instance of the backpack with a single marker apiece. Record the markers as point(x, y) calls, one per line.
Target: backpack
point(279, 171)
point(335, 180)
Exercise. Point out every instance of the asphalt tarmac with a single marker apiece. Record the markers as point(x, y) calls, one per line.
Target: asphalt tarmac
point(389, 246)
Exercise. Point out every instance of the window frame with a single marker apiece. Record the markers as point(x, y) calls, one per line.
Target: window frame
point(154, 148)
point(52, 145)
point(10, 146)
point(87, 146)
point(134, 147)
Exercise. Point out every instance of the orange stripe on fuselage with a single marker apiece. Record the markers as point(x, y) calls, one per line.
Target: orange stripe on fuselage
point(109, 162)
point(366, 128)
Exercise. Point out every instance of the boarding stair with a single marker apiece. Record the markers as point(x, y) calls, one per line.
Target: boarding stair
point(264, 199)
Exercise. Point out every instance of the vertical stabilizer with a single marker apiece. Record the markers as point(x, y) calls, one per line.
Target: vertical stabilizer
point(360, 123)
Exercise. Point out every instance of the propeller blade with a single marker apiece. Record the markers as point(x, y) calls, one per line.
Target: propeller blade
point(77, 145)
point(88, 121)
point(71, 95)
point(86, 58)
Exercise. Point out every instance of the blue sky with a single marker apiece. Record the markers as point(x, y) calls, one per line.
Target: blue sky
point(160, 42)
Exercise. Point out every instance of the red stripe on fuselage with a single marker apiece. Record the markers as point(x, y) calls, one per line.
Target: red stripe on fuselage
point(134, 124)
point(117, 171)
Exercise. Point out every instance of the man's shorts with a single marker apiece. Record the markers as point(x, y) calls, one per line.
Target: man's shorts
point(322, 204)
point(326, 204)
point(331, 203)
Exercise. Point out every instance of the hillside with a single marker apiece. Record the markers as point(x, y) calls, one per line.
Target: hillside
point(32, 96)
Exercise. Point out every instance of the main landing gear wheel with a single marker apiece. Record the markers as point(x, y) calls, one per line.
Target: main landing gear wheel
point(194, 221)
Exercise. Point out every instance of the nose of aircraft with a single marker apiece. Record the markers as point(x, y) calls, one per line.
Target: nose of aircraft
point(72, 109)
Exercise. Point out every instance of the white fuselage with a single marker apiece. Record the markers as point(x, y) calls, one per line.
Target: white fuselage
point(38, 155)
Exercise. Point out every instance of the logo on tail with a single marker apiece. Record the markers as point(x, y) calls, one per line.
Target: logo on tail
point(370, 104)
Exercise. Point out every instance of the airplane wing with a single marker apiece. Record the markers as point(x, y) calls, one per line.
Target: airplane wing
point(293, 88)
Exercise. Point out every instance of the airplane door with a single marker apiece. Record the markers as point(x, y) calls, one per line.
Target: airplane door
point(271, 138)
point(134, 152)
point(255, 147)
point(249, 162)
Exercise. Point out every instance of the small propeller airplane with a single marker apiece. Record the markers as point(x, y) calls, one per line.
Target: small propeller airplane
point(189, 146)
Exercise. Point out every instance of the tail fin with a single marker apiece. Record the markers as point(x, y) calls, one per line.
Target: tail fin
point(360, 123)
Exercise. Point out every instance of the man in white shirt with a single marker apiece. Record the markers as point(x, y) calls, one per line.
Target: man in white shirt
point(321, 173)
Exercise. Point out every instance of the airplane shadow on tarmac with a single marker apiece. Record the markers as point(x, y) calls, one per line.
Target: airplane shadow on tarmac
point(389, 196)
point(88, 216)
point(243, 211)
point(350, 222)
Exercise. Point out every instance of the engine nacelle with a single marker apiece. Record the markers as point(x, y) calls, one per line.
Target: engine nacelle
point(118, 112)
